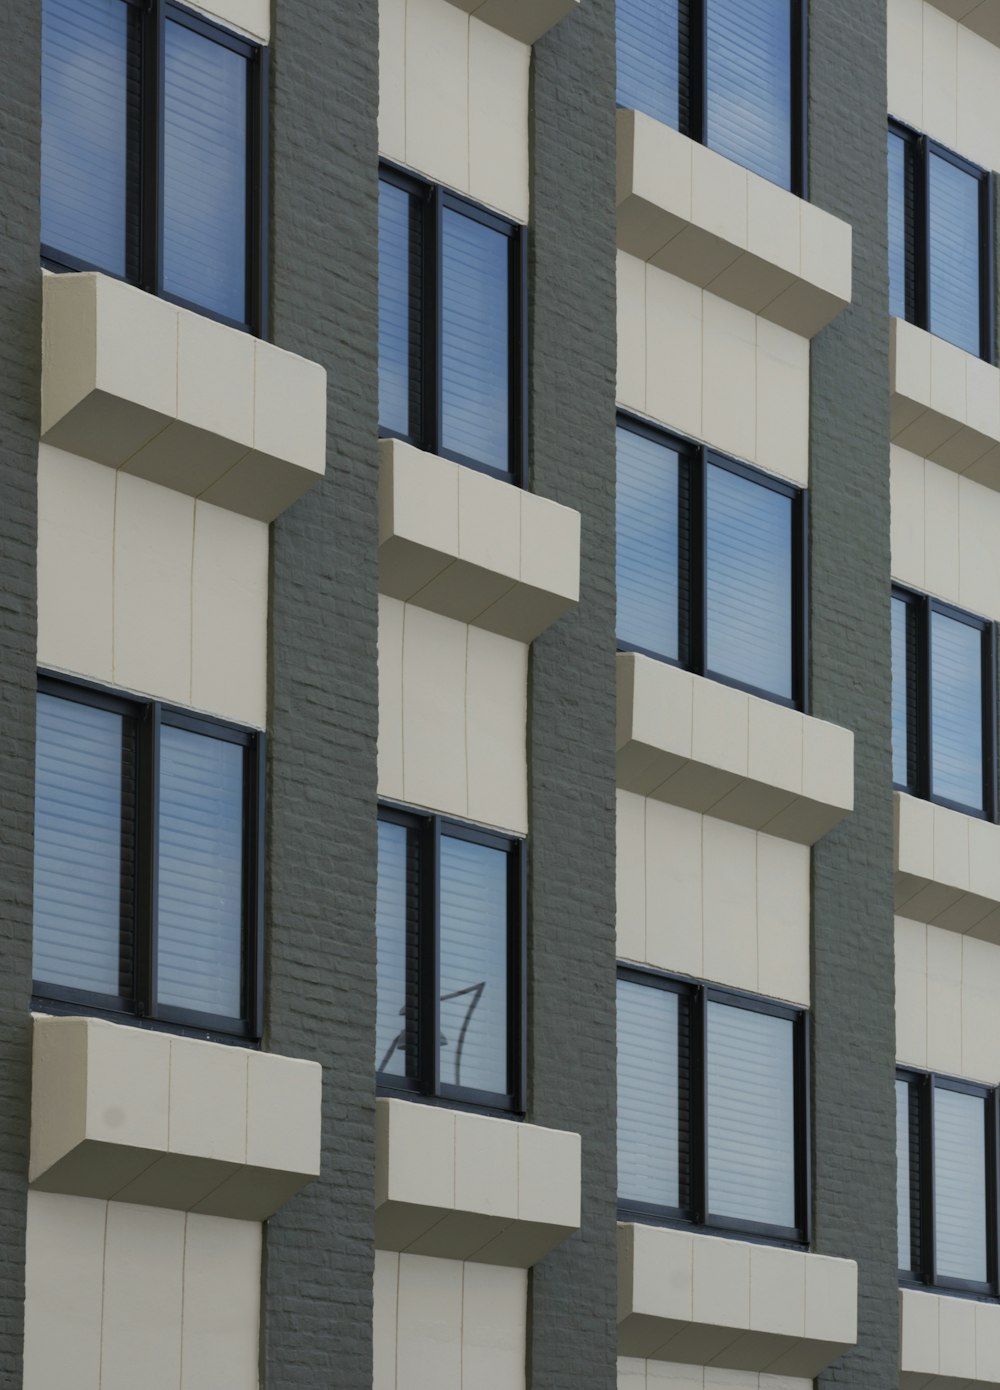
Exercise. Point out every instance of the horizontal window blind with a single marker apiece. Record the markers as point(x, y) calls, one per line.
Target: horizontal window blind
point(649, 544)
point(397, 906)
point(201, 873)
point(84, 847)
point(90, 105)
point(748, 100)
point(901, 217)
point(205, 173)
point(473, 966)
point(653, 1128)
point(399, 289)
point(653, 39)
point(904, 693)
point(960, 1185)
point(751, 1115)
point(953, 237)
point(957, 711)
point(904, 1160)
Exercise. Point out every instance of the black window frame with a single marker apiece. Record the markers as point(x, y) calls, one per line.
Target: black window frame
point(699, 994)
point(916, 232)
point(141, 1008)
point(923, 1274)
point(694, 65)
point(426, 395)
point(144, 193)
point(426, 1085)
point(920, 784)
point(695, 459)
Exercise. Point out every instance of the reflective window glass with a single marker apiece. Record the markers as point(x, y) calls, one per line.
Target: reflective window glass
point(652, 1122)
point(956, 711)
point(953, 241)
point(960, 1185)
point(399, 289)
point(748, 100)
point(653, 37)
point(649, 549)
point(396, 950)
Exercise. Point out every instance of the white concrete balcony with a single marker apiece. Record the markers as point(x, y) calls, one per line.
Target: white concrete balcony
point(526, 20)
point(947, 868)
point(692, 212)
point(947, 1343)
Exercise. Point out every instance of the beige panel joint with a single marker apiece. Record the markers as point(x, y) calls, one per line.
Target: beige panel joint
point(525, 20)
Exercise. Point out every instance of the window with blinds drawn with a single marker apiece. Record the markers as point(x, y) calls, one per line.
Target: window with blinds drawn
point(943, 697)
point(727, 73)
point(147, 865)
point(712, 1120)
point(710, 564)
point(449, 942)
point(940, 241)
point(946, 1182)
point(451, 326)
point(152, 166)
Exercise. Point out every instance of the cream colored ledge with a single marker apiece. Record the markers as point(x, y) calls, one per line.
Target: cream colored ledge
point(707, 1301)
point(135, 383)
point(947, 1343)
point(692, 212)
point(947, 868)
point(526, 20)
point(706, 747)
point(471, 547)
point(138, 1116)
point(466, 1187)
point(981, 16)
point(945, 403)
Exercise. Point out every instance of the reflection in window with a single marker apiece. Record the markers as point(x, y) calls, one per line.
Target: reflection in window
point(959, 1185)
point(653, 41)
point(650, 527)
point(399, 281)
point(651, 1136)
point(953, 253)
point(748, 99)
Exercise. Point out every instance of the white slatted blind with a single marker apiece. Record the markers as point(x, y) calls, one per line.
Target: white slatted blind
point(957, 711)
point(396, 949)
point(749, 89)
point(398, 286)
point(652, 58)
point(954, 254)
point(648, 553)
point(959, 1185)
point(649, 1110)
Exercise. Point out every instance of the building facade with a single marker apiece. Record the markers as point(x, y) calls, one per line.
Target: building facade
point(498, 592)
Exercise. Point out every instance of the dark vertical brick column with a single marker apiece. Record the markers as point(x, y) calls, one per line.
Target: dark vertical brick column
point(317, 1301)
point(572, 1327)
point(853, 988)
point(20, 394)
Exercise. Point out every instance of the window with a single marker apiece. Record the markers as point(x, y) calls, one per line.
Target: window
point(946, 1182)
point(450, 944)
point(147, 861)
point(711, 564)
point(728, 73)
point(152, 153)
point(451, 326)
point(940, 242)
point(943, 699)
point(712, 1107)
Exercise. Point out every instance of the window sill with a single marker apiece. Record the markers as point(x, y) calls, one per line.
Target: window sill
point(945, 403)
point(470, 547)
point(131, 1115)
point(981, 16)
point(692, 212)
point(163, 393)
point(946, 1341)
point(947, 868)
point(702, 1300)
point(466, 1187)
point(707, 747)
point(525, 20)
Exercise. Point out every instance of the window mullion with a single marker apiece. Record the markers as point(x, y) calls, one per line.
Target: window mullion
point(148, 813)
point(433, 288)
point(697, 66)
point(927, 1242)
point(697, 464)
point(698, 1157)
point(430, 984)
point(922, 232)
point(151, 176)
point(925, 752)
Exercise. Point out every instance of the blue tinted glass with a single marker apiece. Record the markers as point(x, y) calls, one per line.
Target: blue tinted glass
point(200, 884)
point(205, 173)
point(903, 1196)
point(954, 254)
point(395, 942)
point(903, 693)
point(956, 711)
point(475, 375)
point(899, 258)
point(86, 99)
point(748, 102)
point(473, 966)
point(83, 881)
point(647, 564)
point(398, 291)
point(960, 1185)
point(652, 37)
point(749, 583)
point(649, 1111)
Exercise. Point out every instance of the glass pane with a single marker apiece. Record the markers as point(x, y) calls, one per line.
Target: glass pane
point(749, 564)
point(475, 374)
point(959, 1185)
point(84, 847)
point(398, 310)
point(205, 173)
point(956, 711)
point(396, 948)
point(200, 888)
point(648, 576)
point(901, 267)
point(903, 1196)
point(652, 58)
point(751, 1116)
point(748, 101)
point(954, 254)
point(473, 966)
point(649, 1096)
point(90, 63)
point(904, 693)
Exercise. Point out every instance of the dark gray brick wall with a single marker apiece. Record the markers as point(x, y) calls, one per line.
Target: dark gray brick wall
point(852, 978)
point(20, 378)
point(572, 1324)
point(323, 689)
